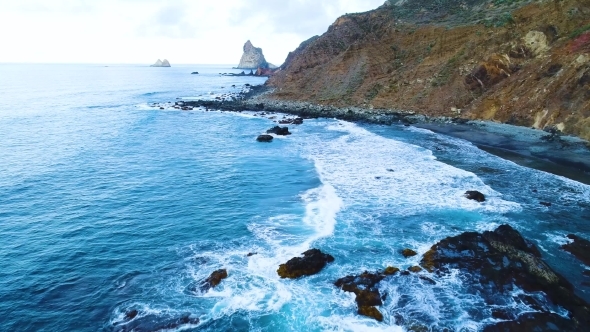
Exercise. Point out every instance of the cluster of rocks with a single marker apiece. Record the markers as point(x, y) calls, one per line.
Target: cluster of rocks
point(501, 259)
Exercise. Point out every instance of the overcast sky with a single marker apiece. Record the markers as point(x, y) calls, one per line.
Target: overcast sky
point(182, 31)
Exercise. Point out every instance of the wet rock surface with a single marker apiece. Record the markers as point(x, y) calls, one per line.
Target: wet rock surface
point(475, 195)
point(579, 247)
point(364, 286)
point(277, 130)
point(409, 253)
point(312, 262)
point(264, 138)
point(500, 260)
point(214, 279)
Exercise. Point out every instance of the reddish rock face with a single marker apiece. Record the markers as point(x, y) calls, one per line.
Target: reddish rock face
point(442, 66)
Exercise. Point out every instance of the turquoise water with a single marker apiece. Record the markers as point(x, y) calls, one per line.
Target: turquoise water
point(108, 204)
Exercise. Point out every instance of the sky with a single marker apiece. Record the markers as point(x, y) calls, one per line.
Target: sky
point(142, 31)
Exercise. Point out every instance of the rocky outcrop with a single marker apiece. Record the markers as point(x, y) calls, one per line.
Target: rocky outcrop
point(312, 262)
point(409, 253)
point(579, 247)
point(264, 138)
point(475, 195)
point(501, 260)
point(520, 62)
point(277, 130)
point(160, 63)
point(214, 279)
point(252, 58)
point(367, 295)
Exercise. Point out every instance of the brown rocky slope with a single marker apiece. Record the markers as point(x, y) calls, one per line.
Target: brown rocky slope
point(525, 63)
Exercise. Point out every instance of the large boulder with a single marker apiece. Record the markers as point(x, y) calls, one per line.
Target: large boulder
point(214, 279)
point(312, 262)
point(252, 58)
point(364, 286)
point(264, 138)
point(475, 195)
point(282, 131)
point(501, 260)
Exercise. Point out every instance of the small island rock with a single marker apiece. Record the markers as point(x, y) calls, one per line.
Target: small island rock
point(312, 262)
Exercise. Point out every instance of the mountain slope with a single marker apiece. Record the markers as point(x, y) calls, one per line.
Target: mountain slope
point(503, 60)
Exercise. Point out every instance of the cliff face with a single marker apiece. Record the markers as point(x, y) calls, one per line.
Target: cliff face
point(503, 60)
point(252, 58)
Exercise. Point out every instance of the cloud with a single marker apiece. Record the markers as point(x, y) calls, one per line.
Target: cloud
point(184, 31)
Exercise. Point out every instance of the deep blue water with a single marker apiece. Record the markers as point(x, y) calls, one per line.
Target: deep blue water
point(108, 204)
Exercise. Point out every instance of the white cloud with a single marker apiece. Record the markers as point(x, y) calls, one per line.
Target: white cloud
point(183, 31)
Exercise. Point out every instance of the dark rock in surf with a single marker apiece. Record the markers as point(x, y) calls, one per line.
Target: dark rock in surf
point(547, 204)
point(475, 195)
point(580, 248)
point(409, 253)
point(154, 322)
point(312, 262)
point(501, 260)
point(415, 269)
point(264, 138)
point(195, 73)
point(297, 121)
point(282, 131)
point(250, 254)
point(367, 294)
point(129, 315)
point(214, 279)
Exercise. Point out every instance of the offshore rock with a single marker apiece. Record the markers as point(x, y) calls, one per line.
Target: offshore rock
point(579, 248)
point(214, 279)
point(282, 131)
point(160, 63)
point(264, 138)
point(367, 294)
point(501, 260)
point(252, 58)
point(475, 195)
point(409, 253)
point(312, 262)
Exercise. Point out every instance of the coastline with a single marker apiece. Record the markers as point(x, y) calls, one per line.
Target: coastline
point(566, 156)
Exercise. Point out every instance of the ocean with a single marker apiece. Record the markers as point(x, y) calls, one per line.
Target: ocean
point(109, 204)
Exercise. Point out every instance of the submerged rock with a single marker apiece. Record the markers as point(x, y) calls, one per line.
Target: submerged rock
point(475, 195)
point(501, 260)
point(312, 262)
point(264, 138)
point(155, 322)
point(283, 131)
point(579, 248)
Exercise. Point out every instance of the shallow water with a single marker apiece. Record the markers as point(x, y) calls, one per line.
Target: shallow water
point(109, 204)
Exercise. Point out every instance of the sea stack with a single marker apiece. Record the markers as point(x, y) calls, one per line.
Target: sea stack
point(160, 63)
point(252, 58)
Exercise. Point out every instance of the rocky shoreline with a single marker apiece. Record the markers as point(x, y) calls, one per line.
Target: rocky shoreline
point(549, 151)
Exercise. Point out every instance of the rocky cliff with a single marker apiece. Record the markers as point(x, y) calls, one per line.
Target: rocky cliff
point(252, 58)
point(519, 62)
point(160, 63)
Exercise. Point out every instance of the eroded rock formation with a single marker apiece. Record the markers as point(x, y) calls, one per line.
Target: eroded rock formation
point(252, 58)
point(161, 63)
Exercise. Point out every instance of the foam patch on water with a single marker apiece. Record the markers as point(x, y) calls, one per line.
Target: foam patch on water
point(366, 168)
